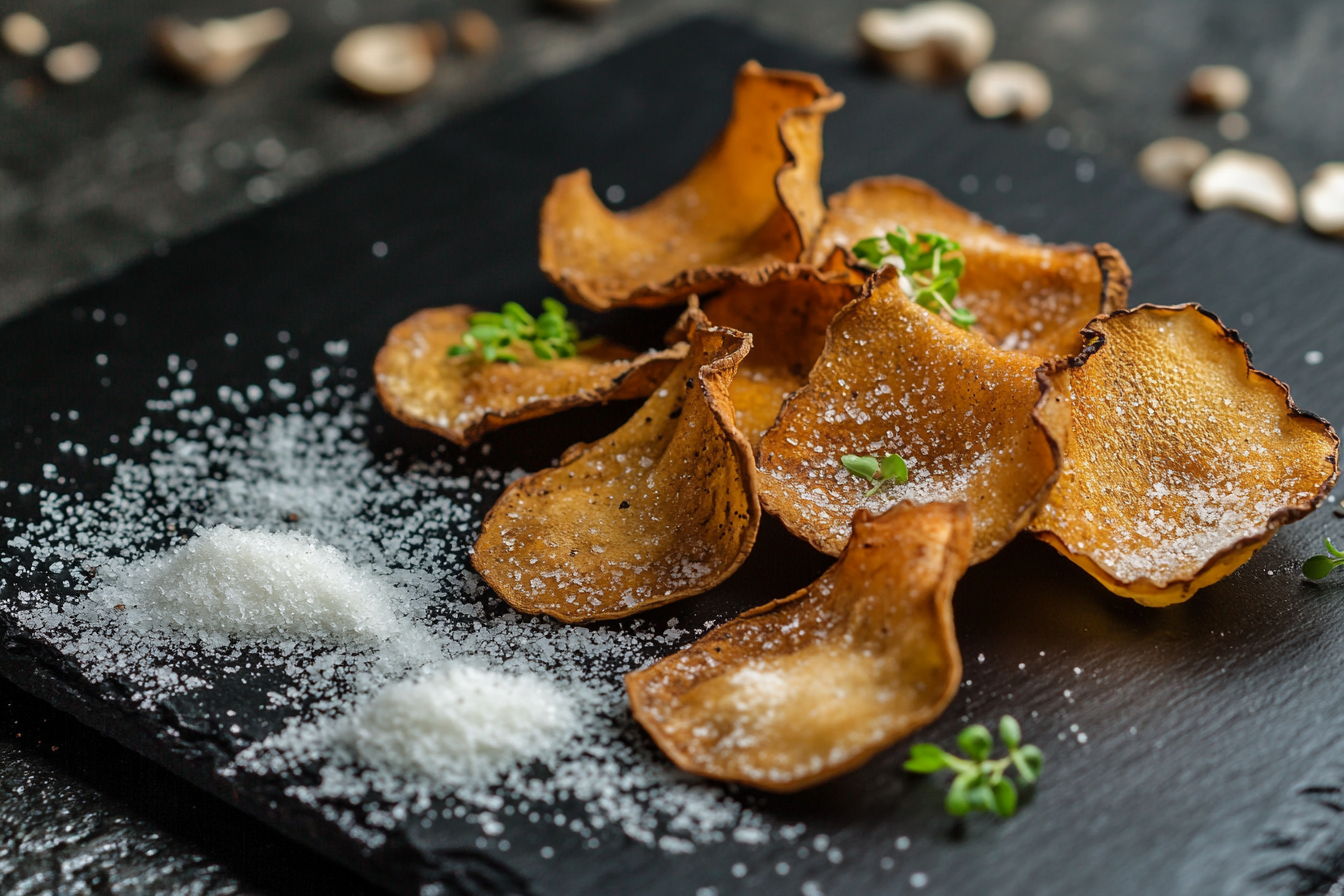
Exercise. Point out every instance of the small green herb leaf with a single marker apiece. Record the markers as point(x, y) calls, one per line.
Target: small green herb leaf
point(893, 468)
point(976, 742)
point(981, 783)
point(863, 467)
point(1321, 565)
point(550, 334)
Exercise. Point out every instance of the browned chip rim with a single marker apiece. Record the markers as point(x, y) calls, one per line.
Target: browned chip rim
point(1094, 340)
point(631, 383)
point(1051, 414)
point(790, 188)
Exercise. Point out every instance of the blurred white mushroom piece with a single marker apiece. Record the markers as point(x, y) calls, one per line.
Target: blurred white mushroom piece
point(1169, 163)
point(940, 40)
point(1255, 183)
point(1000, 89)
point(474, 33)
point(24, 34)
point(1222, 88)
point(1323, 200)
point(73, 63)
point(387, 60)
point(219, 51)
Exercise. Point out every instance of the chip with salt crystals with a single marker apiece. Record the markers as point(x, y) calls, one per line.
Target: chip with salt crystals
point(1026, 295)
point(749, 207)
point(972, 423)
point(787, 318)
point(811, 686)
point(663, 508)
point(1183, 459)
point(462, 398)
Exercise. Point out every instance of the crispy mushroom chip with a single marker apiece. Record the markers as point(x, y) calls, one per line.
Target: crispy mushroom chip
point(661, 509)
point(971, 421)
point(1183, 459)
point(465, 397)
point(813, 685)
point(750, 206)
point(1026, 295)
point(787, 318)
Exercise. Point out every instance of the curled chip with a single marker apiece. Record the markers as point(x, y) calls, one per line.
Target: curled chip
point(813, 685)
point(463, 398)
point(661, 509)
point(1183, 458)
point(786, 317)
point(971, 421)
point(1026, 295)
point(750, 206)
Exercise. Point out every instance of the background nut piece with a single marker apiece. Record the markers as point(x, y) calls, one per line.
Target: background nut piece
point(386, 60)
point(73, 63)
point(999, 89)
point(1323, 200)
point(1237, 179)
point(943, 39)
point(219, 51)
point(1169, 163)
point(1222, 88)
point(24, 34)
point(474, 33)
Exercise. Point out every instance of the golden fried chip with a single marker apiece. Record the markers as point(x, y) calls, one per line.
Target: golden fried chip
point(1026, 295)
point(1183, 458)
point(463, 398)
point(751, 205)
point(661, 509)
point(787, 318)
point(972, 422)
point(813, 685)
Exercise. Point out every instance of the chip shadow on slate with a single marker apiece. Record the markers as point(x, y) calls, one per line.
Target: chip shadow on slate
point(1168, 700)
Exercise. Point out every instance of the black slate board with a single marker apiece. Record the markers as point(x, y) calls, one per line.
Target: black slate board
point(1213, 761)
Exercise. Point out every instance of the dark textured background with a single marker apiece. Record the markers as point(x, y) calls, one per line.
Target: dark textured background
point(94, 177)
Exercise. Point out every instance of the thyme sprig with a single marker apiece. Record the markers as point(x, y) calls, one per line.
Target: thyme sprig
point(550, 334)
point(981, 784)
point(930, 266)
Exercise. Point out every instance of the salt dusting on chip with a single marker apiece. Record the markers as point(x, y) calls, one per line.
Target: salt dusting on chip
point(254, 583)
point(280, 555)
point(461, 724)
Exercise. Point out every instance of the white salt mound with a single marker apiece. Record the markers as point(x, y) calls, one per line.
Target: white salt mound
point(461, 724)
point(257, 584)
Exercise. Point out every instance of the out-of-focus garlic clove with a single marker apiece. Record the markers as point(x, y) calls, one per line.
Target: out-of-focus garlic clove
point(387, 60)
point(1000, 89)
point(1169, 163)
point(24, 34)
point(1223, 88)
point(1323, 200)
point(940, 40)
point(1244, 180)
point(220, 50)
point(73, 63)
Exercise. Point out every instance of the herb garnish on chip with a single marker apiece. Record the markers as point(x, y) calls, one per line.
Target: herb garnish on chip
point(879, 472)
point(550, 334)
point(930, 266)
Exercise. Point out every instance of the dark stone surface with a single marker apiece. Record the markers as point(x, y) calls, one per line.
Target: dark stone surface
point(1272, 823)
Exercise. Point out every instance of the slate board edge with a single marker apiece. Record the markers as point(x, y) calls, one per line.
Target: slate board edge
point(40, 670)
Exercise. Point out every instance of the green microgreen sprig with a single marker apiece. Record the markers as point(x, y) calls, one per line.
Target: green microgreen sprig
point(1319, 567)
point(981, 784)
point(550, 334)
point(879, 472)
point(930, 266)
